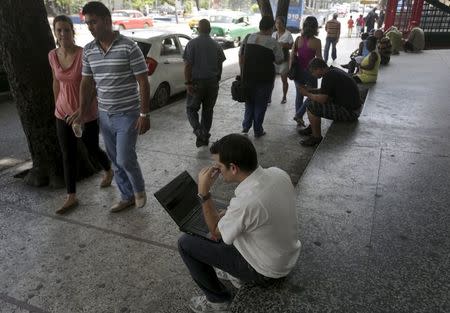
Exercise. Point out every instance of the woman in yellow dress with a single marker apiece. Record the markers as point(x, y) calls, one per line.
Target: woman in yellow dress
point(368, 69)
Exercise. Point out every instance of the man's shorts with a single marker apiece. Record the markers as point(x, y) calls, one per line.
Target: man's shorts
point(331, 111)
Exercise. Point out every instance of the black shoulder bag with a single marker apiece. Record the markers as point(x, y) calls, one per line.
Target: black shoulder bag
point(238, 90)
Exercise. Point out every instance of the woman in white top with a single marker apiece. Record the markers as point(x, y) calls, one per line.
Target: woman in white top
point(284, 37)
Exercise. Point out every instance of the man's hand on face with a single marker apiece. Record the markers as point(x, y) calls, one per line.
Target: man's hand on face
point(206, 179)
point(143, 124)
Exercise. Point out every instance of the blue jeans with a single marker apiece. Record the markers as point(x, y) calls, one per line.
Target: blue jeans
point(255, 107)
point(201, 255)
point(305, 78)
point(120, 135)
point(332, 41)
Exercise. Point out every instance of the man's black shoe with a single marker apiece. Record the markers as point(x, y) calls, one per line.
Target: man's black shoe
point(260, 135)
point(311, 141)
point(200, 142)
point(305, 131)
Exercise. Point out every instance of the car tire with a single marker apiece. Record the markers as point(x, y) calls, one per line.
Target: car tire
point(146, 25)
point(161, 96)
point(121, 27)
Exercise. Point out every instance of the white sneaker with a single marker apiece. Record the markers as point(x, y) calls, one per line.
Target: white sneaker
point(201, 305)
point(140, 199)
point(236, 282)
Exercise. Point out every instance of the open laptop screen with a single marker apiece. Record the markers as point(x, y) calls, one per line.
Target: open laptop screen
point(179, 197)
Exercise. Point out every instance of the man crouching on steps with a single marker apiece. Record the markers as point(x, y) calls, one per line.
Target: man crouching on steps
point(257, 234)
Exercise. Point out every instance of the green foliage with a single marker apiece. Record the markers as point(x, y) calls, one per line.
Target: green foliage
point(188, 6)
point(140, 4)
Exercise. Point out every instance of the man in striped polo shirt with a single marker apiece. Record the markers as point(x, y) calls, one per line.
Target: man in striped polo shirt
point(333, 29)
point(114, 65)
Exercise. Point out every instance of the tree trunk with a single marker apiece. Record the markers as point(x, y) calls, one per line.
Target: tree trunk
point(265, 8)
point(25, 40)
point(282, 9)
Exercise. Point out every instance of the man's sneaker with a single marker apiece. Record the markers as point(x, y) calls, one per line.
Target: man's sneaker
point(311, 141)
point(140, 199)
point(245, 131)
point(225, 276)
point(306, 131)
point(201, 305)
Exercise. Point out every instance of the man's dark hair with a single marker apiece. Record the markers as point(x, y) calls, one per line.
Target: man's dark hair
point(266, 23)
point(204, 27)
point(335, 16)
point(236, 149)
point(96, 8)
point(317, 63)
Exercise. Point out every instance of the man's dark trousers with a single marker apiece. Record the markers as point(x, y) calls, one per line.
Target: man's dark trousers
point(330, 41)
point(205, 96)
point(201, 255)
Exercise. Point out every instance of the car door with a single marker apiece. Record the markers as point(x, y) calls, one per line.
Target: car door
point(172, 64)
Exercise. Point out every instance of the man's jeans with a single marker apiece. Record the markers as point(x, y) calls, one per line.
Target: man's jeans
point(205, 95)
point(201, 255)
point(332, 41)
point(256, 106)
point(120, 135)
point(305, 78)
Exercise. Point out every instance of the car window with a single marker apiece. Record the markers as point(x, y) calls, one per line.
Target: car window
point(138, 15)
point(183, 41)
point(170, 46)
point(119, 14)
point(145, 47)
point(221, 19)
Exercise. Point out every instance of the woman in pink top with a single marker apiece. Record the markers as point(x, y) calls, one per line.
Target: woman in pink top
point(306, 47)
point(66, 63)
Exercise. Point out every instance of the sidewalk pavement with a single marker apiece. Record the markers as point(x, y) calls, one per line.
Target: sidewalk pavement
point(92, 261)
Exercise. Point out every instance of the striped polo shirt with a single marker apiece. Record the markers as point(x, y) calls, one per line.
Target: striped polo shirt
point(333, 28)
point(114, 73)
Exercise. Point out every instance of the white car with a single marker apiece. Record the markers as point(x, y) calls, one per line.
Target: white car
point(163, 52)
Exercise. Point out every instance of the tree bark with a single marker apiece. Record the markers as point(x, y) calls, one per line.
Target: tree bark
point(25, 40)
point(265, 8)
point(282, 9)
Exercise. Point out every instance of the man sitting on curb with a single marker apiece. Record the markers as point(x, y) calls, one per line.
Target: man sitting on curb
point(416, 38)
point(338, 100)
point(258, 232)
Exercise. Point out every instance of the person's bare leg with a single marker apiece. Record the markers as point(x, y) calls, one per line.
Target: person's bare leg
point(285, 86)
point(315, 123)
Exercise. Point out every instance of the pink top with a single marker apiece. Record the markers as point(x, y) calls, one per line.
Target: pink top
point(305, 54)
point(69, 80)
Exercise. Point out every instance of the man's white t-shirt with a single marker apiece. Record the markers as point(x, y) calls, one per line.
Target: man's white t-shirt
point(261, 222)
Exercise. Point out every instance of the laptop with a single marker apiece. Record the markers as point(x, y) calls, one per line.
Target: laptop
point(179, 199)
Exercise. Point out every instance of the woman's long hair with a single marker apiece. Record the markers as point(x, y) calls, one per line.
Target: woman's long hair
point(310, 27)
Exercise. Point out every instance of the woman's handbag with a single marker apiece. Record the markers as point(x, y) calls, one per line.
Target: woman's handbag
point(238, 90)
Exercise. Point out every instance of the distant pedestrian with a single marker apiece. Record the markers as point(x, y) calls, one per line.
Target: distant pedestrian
point(371, 18)
point(333, 29)
point(360, 22)
point(66, 64)
point(115, 66)
point(350, 23)
point(261, 52)
point(307, 46)
point(203, 58)
point(284, 38)
point(416, 38)
point(338, 100)
point(380, 20)
point(368, 69)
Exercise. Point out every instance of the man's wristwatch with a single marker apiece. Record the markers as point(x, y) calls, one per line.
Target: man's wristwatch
point(144, 114)
point(203, 198)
